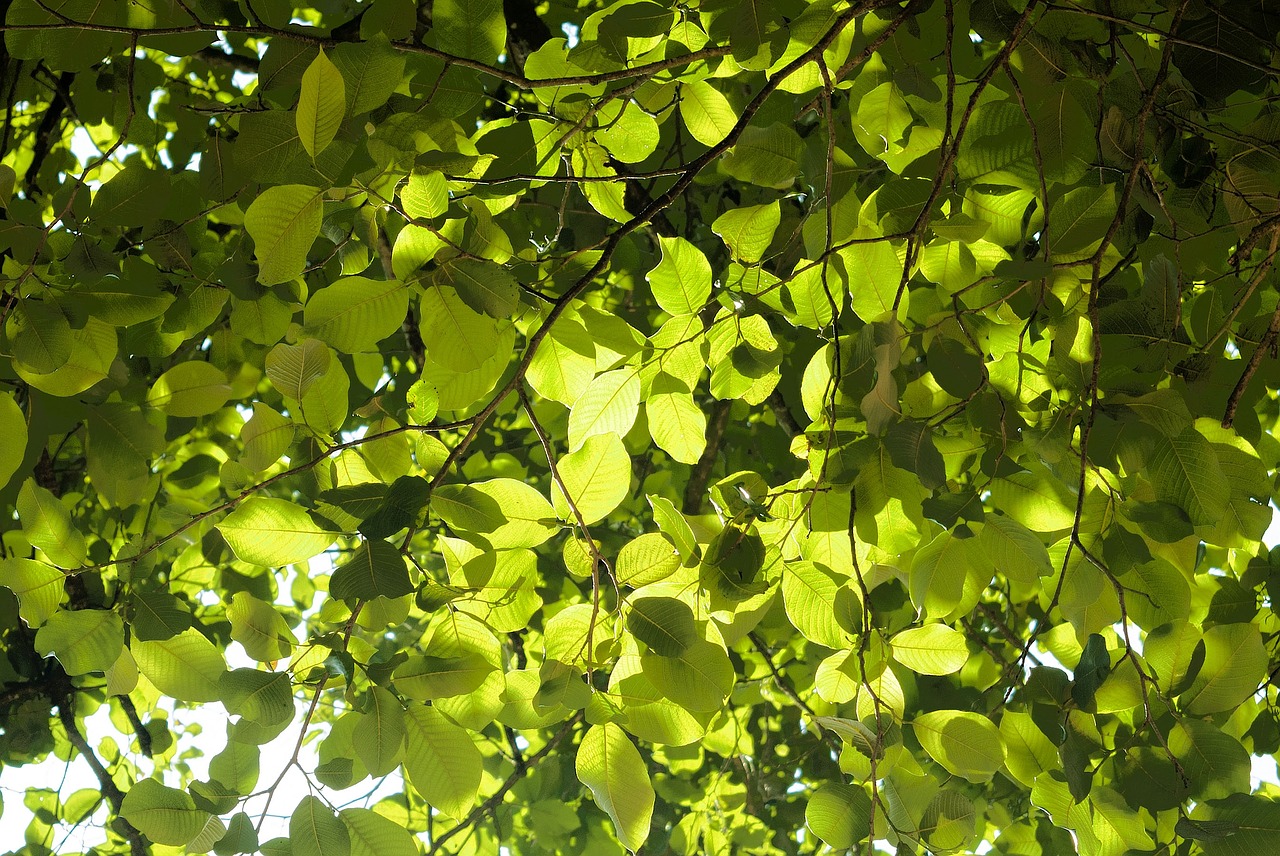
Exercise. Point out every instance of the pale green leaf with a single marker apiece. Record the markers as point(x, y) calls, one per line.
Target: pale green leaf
point(610, 765)
point(321, 105)
point(166, 816)
point(315, 831)
point(187, 666)
point(293, 369)
point(839, 814)
point(609, 404)
point(283, 222)
point(273, 532)
point(677, 424)
point(597, 477)
point(190, 389)
point(706, 112)
point(965, 744)
point(1235, 664)
point(934, 649)
point(681, 281)
point(13, 427)
point(83, 640)
point(40, 588)
point(354, 314)
point(261, 629)
point(374, 835)
point(48, 525)
point(441, 760)
point(379, 733)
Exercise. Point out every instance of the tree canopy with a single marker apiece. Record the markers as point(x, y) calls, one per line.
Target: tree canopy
point(721, 426)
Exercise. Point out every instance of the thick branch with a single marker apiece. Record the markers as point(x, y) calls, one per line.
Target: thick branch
point(112, 792)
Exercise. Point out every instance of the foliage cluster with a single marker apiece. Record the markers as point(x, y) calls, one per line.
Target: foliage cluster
point(691, 433)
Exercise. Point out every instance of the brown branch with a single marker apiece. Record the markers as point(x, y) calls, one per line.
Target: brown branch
point(139, 729)
point(110, 790)
point(1255, 360)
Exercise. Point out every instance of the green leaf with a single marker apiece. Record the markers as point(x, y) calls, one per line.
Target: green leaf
point(610, 765)
point(372, 834)
point(597, 478)
point(1235, 664)
point(293, 369)
point(483, 285)
point(315, 831)
point(457, 336)
point(86, 640)
point(187, 666)
point(40, 588)
point(1028, 753)
point(283, 222)
point(809, 595)
point(1081, 217)
point(911, 448)
point(1095, 665)
point(354, 314)
point(882, 119)
point(934, 649)
point(1184, 471)
point(426, 194)
point(768, 156)
point(158, 615)
point(943, 576)
point(190, 389)
point(321, 105)
point(564, 364)
point(1175, 652)
point(965, 744)
point(475, 29)
point(48, 525)
point(135, 196)
point(13, 427)
point(273, 532)
point(426, 677)
point(1014, 550)
point(164, 815)
point(441, 761)
point(379, 733)
point(681, 281)
point(370, 72)
point(257, 626)
point(647, 559)
point(706, 113)
point(375, 569)
point(41, 336)
point(265, 697)
point(678, 425)
point(839, 814)
point(609, 404)
point(664, 624)
point(748, 231)
point(698, 679)
point(1254, 822)
point(266, 436)
point(1215, 763)
point(505, 513)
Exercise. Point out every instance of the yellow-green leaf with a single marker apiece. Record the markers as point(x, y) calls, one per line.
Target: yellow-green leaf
point(321, 104)
point(610, 765)
point(273, 532)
